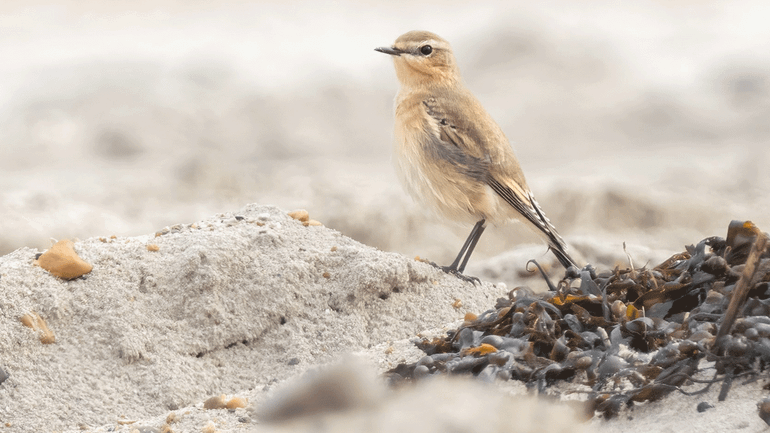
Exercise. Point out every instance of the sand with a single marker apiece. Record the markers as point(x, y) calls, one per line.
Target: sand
point(242, 302)
point(230, 304)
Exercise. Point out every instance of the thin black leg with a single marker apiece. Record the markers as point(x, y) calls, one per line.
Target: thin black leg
point(478, 229)
point(455, 265)
point(458, 266)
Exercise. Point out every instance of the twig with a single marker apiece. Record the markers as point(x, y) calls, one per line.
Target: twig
point(742, 288)
point(630, 261)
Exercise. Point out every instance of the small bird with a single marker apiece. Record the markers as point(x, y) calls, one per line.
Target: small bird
point(450, 153)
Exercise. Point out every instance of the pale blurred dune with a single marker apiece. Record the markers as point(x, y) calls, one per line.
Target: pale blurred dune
point(643, 123)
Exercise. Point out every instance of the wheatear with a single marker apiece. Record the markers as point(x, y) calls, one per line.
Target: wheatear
point(450, 153)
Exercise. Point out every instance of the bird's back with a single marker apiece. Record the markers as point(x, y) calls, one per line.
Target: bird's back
point(446, 139)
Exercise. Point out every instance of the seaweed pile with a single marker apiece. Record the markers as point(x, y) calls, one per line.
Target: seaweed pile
point(630, 335)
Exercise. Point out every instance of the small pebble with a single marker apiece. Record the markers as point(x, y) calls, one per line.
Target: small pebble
point(493, 340)
point(210, 427)
point(640, 325)
point(753, 320)
point(763, 329)
point(426, 360)
point(700, 335)
point(737, 346)
point(465, 364)
point(618, 309)
point(687, 347)
point(573, 323)
point(709, 327)
point(216, 402)
point(559, 351)
point(611, 365)
point(300, 215)
point(465, 338)
point(584, 362)
point(499, 358)
point(666, 356)
point(513, 345)
point(34, 321)
point(443, 357)
point(764, 410)
point(421, 371)
point(704, 406)
point(62, 261)
point(714, 297)
point(591, 338)
point(236, 402)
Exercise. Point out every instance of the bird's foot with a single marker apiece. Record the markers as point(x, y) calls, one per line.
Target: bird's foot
point(453, 271)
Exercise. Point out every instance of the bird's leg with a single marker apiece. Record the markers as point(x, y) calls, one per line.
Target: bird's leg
point(474, 237)
point(458, 266)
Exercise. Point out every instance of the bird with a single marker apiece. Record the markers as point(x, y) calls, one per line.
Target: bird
point(451, 155)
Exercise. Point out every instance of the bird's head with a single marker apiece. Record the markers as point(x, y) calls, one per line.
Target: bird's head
point(423, 58)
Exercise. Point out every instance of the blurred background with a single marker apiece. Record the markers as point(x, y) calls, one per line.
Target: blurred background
point(639, 122)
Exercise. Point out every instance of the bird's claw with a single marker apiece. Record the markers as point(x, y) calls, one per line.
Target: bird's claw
point(452, 271)
point(467, 278)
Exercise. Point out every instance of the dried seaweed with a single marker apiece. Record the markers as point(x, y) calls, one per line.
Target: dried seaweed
point(630, 335)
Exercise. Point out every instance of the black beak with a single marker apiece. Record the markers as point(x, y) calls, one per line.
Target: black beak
point(392, 51)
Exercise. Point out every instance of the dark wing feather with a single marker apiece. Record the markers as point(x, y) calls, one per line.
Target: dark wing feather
point(450, 145)
point(533, 213)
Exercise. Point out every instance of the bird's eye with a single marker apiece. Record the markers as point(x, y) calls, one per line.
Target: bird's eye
point(426, 50)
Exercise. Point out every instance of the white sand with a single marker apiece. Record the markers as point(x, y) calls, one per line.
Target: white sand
point(236, 304)
point(148, 332)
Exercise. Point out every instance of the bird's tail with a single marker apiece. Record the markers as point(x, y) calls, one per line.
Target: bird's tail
point(561, 254)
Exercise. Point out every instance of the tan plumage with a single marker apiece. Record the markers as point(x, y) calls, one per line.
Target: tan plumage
point(451, 154)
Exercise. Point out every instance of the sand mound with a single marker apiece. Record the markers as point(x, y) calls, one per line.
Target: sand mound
point(233, 303)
